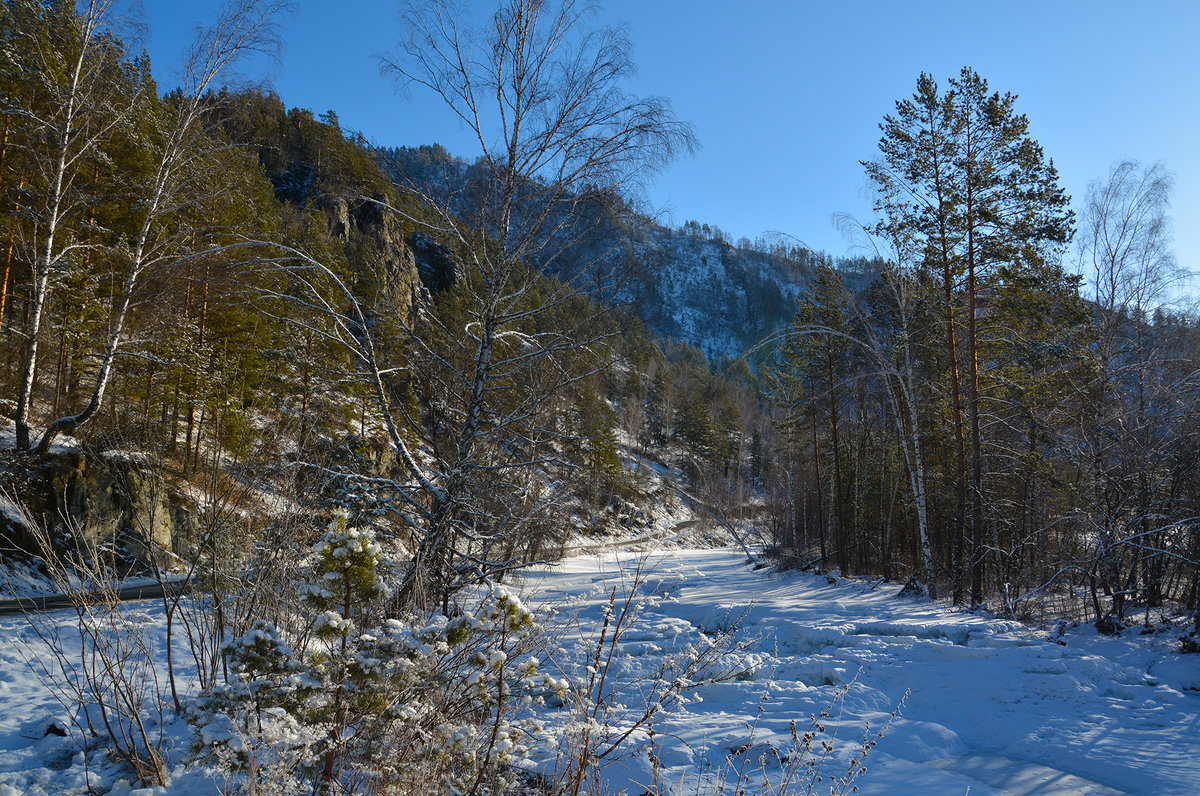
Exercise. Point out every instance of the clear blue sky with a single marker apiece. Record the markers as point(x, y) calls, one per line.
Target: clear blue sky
point(787, 96)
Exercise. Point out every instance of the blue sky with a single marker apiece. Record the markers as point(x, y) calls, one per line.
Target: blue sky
point(787, 96)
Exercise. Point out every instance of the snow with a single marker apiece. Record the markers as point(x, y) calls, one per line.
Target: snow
point(992, 706)
point(701, 290)
point(11, 511)
point(8, 441)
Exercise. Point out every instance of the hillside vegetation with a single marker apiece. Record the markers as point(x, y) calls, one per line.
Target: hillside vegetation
point(343, 393)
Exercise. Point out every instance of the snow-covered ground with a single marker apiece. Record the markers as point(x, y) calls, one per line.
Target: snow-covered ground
point(993, 707)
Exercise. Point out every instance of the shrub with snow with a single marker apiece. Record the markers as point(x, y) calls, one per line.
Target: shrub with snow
point(394, 706)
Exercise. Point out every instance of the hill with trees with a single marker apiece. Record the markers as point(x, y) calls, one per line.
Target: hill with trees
point(248, 351)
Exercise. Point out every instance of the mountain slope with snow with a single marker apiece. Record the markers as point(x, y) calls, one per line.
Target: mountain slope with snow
point(690, 283)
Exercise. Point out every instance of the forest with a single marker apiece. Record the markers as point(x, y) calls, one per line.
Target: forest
point(334, 397)
point(1012, 429)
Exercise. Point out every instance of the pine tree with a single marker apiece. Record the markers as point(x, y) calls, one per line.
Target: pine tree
point(600, 452)
point(960, 173)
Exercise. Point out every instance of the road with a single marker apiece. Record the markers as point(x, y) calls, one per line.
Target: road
point(51, 602)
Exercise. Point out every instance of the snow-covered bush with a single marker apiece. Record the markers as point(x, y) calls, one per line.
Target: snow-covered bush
point(255, 724)
point(389, 706)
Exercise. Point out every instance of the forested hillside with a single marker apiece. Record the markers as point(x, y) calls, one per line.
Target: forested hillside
point(338, 392)
point(241, 291)
point(175, 325)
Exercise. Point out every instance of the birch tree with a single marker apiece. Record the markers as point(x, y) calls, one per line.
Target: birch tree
point(1125, 251)
point(543, 95)
point(81, 99)
point(892, 356)
point(183, 145)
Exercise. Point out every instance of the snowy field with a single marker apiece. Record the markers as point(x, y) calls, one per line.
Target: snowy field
point(992, 708)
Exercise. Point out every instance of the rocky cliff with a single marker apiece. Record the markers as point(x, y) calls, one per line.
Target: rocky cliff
point(113, 501)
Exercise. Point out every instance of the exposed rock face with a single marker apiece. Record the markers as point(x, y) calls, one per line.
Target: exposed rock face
point(399, 278)
point(340, 224)
point(15, 536)
point(438, 267)
point(375, 237)
point(98, 498)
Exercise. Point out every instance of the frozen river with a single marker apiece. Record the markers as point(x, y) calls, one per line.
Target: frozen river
point(993, 707)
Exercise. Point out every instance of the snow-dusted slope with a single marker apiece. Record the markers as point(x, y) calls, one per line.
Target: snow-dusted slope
point(705, 292)
point(993, 706)
point(690, 284)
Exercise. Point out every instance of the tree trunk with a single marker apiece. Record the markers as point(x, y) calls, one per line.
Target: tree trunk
point(838, 494)
point(8, 255)
point(917, 470)
point(820, 489)
point(977, 547)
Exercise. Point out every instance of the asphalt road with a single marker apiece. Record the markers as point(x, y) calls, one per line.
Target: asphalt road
point(51, 602)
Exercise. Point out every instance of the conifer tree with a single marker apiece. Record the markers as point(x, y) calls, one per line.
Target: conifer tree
point(960, 172)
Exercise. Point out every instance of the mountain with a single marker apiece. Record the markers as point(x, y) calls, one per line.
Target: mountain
point(687, 283)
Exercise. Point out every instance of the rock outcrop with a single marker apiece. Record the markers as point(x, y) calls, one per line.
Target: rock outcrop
point(98, 499)
point(439, 269)
point(374, 237)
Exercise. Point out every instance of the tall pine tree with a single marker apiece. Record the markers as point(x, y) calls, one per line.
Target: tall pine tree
point(960, 173)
